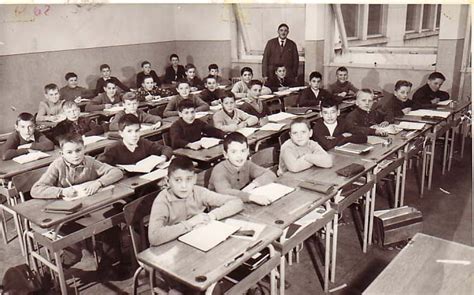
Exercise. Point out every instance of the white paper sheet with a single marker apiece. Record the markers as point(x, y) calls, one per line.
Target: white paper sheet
point(432, 113)
point(445, 102)
point(145, 165)
point(411, 125)
point(272, 190)
point(92, 139)
point(208, 142)
point(155, 175)
point(208, 236)
point(247, 131)
point(272, 127)
point(280, 117)
point(30, 157)
point(81, 193)
point(201, 114)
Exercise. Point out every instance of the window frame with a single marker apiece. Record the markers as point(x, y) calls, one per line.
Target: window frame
point(419, 14)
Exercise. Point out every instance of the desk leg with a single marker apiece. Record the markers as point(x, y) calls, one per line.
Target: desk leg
point(398, 176)
point(445, 150)
point(451, 146)
point(368, 218)
point(327, 259)
point(432, 155)
point(334, 246)
point(404, 176)
point(282, 274)
point(62, 279)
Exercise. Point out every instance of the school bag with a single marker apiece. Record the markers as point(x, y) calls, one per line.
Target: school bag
point(20, 280)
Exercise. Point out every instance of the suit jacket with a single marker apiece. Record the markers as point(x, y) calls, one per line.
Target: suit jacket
point(308, 99)
point(171, 75)
point(322, 136)
point(274, 55)
point(393, 107)
point(359, 121)
point(274, 83)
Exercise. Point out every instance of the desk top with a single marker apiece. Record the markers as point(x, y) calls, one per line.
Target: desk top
point(415, 269)
point(203, 155)
point(198, 269)
point(33, 209)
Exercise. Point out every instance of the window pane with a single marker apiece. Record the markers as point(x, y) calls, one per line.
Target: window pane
point(411, 20)
point(438, 15)
point(428, 10)
point(350, 15)
point(374, 25)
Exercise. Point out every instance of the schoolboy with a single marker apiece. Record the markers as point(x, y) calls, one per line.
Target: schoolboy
point(300, 152)
point(184, 93)
point(175, 71)
point(130, 103)
point(149, 91)
point(185, 131)
point(50, 108)
point(236, 172)
point(132, 148)
point(211, 94)
point(330, 131)
point(74, 123)
point(428, 95)
point(230, 118)
point(147, 71)
point(241, 88)
point(105, 100)
point(180, 208)
point(314, 94)
point(214, 71)
point(73, 92)
point(280, 81)
point(194, 82)
point(25, 138)
point(106, 76)
point(342, 87)
point(252, 104)
point(363, 119)
point(397, 104)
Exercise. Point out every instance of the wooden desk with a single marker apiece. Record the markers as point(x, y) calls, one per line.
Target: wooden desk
point(415, 269)
point(202, 270)
point(208, 156)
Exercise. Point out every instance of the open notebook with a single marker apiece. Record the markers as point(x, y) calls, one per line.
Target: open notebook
point(430, 113)
point(81, 193)
point(354, 148)
point(247, 131)
point(280, 117)
point(30, 157)
point(145, 165)
point(208, 236)
point(272, 190)
point(272, 127)
point(411, 125)
point(208, 142)
point(114, 109)
point(92, 139)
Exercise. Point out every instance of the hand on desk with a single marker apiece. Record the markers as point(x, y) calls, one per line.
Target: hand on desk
point(78, 99)
point(406, 110)
point(156, 125)
point(342, 94)
point(199, 220)
point(435, 100)
point(384, 124)
point(69, 192)
point(346, 134)
point(381, 132)
point(260, 199)
point(194, 145)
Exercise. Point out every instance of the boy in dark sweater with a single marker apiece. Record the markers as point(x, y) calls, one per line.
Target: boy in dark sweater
point(130, 103)
point(102, 81)
point(194, 82)
point(72, 91)
point(280, 81)
point(184, 94)
point(428, 96)
point(105, 100)
point(186, 131)
point(175, 71)
point(147, 71)
point(132, 148)
point(342, 87)
point(314, 94)
point(211, 95)
point(253, 105)
point(214, 71)
point(25, 138)
point(398, 104)
point(329, 131)
point(149, 91)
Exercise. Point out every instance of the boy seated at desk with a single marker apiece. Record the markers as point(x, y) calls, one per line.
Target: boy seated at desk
point(330, 131)
point(175, 72)
point(184, 93)
point(253, 105)
point(73, 92)
point(25, 138)
point(300, 152)
point(314, 94)
point(149, 91)
point(75, 124)
point(147, 71)
point(132, 148)
point(180, 208)
point(428, 95)
point(194, 82)
point(230, 118)
point(105, 100)
point(130, 103)
point(342, 87)
point(398, 104)
point(50, 108)
point(211, 94)
point(364, 119)
point(187, 131)
point(214, 71)
point(106, 77)
point(280, 81)
point(241, 88)
point(237, 172)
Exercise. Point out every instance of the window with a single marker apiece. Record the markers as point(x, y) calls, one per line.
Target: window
point(375, 20)
point(422, 18)
point(428, 16)
point(363, 21)
point(438, 15)
point(411, 21)
point(350, 14)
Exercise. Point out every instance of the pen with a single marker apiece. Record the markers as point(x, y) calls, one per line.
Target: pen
point(254, 245)
point(234, 259)
point(69, 183)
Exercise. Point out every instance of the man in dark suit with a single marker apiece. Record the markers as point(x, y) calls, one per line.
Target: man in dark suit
point(280, 50)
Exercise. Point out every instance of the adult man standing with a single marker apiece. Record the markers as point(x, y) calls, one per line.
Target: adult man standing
point(280, 50)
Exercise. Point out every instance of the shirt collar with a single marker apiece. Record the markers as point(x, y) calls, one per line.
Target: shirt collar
point(231, 168)
point(279, 41)
point(80, 165)
point(171, 197)
point(31, 138)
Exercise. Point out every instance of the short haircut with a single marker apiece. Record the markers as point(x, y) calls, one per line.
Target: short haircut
point(188, 67)
point(147, 77)
point(300, 120)
point(213, 67)
point(129, 96)
point(342, 69)
point(228, 93)
point(402, 83)
point(146, 63)
point(329, 103)
point(181, 81)
point(69, 104)
point(283, 25)
point(70, 75)
point(279, 66)
point(185, 104)
point(174, 55)
point(255, 82)
point(436, 75)
point(246, 69)
point(127, 120)
point(70, 137)
point(180, 163)
point(364, 90)
point(234, 137)
point(104, 66)
point(315, 74)
point(209, 77)
point(25, 117)
point(110, 81)
point(50, 86)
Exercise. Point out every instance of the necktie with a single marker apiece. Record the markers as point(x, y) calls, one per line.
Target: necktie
point(282, 43)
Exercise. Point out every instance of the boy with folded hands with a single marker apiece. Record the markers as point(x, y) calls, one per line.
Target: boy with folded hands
point(130, 103)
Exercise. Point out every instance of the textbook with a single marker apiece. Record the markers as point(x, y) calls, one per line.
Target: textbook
point(208, 236)
point(272, 127)
point(201, 114)
point(429, 113)
point(354, 148)
point(273, 190)
point(266, 96)
point(280, 117)
point(247, 131)
point(145, 165)
point(411, 125)
point(63, 207)
point(208, 142)
point(155, 175)
point(283, 92)
point(92, 139)
point(30, 157)
point(445, 102)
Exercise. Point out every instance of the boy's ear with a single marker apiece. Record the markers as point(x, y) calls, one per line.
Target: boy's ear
point(310, 132)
